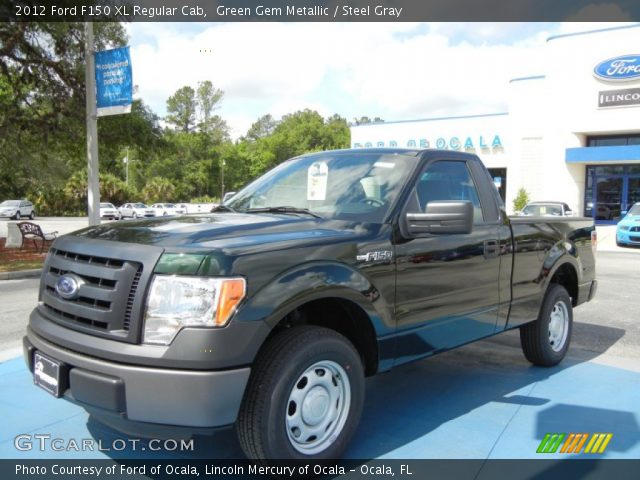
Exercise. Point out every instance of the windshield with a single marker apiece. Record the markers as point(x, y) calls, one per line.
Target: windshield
point(540, 210)
point(107, 205)
point(332, 185)
point(139, 205)
point(10, 203)
point(635, 210)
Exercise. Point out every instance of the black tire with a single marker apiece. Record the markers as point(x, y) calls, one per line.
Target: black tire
point(542, 342)
point(32, 215)
point(283, 370)
point(17, 216)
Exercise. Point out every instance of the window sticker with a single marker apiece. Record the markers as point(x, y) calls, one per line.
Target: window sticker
point(543, 210)
point(384, 164)
point(317, 175)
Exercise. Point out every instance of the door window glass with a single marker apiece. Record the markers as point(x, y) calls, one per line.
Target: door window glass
point(448, 180)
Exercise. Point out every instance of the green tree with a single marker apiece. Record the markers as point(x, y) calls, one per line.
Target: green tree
point(262, 127)
point(208, 98)
point(181, 108)
point(365, 120)
point(158, 189)
point(42, 102)
point(521, 200)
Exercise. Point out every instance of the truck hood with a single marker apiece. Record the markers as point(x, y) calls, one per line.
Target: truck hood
point(214, 231)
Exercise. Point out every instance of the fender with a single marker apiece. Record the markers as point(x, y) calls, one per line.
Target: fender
point(312, 281)
point(562, 253)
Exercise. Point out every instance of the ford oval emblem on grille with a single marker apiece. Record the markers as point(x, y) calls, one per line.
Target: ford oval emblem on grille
point(68, 286)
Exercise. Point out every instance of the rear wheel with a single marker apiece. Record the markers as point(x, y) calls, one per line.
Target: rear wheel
point(304, 397)
point(545, 342)
point(18, 215)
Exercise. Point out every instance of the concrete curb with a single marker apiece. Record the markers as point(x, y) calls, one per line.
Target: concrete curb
point(20, 274)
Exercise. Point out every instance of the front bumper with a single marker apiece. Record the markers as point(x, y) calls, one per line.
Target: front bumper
point(186, 398)
point(627, 237)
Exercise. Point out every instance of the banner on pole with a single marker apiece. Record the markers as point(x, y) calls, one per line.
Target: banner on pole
point(114, 84)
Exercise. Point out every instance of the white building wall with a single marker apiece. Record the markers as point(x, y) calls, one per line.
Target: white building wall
point(547, 114)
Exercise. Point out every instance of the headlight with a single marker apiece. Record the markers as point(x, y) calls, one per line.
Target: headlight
point(624, 227)
point(177, 301)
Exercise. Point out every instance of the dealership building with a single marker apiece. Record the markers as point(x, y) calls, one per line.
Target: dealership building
point(571, 133)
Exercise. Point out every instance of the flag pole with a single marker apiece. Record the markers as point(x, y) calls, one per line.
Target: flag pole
point(93, 185)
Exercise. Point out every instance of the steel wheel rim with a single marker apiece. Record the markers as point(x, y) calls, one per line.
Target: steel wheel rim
point(558, 326)
point(318, 407)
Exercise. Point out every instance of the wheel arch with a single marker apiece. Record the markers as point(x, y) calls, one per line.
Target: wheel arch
point(340, 314)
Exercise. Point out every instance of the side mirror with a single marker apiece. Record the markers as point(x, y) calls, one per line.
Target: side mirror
point(442, 217)
point(624, 212)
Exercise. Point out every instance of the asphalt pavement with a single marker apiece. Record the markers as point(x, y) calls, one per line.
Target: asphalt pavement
point(481, 401)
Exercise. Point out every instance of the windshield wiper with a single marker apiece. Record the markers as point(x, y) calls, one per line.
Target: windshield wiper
point(282, 209)
point(222, 208)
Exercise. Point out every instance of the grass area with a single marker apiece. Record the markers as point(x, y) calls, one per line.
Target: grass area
point(18, 265)
point(15, 259)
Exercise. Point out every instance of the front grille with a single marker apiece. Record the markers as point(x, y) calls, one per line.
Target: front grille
point(634, 229)
point(105, 301)
point(132, 296)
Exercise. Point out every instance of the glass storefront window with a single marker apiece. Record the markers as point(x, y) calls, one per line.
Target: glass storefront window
point(608, 170)
point(613, 140)
point(611, 190)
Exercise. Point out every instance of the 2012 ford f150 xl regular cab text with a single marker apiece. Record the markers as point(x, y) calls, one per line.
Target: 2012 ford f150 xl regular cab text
point(270, 311)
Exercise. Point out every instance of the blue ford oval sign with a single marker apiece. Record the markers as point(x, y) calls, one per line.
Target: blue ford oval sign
point(624, 67)
point(68, 286)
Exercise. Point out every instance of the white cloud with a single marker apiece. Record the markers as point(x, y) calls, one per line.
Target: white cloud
point(396, 70)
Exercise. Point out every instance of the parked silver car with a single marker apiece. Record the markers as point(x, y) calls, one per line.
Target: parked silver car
point(547, 209)
point(17, 209)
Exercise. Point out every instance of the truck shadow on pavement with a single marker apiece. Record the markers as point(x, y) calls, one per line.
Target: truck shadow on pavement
point(409, 411)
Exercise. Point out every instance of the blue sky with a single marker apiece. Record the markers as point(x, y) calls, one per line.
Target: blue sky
point(397, 71)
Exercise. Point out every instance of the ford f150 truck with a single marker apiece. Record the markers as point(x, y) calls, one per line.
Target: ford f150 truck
point(270, 311)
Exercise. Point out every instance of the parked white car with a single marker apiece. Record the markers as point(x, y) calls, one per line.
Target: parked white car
point(135, 210)
point(108, 210)
point(167, 209)
point(195, 208)
point(17, 209)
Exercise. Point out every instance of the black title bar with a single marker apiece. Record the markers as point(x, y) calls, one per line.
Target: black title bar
point(319, 10)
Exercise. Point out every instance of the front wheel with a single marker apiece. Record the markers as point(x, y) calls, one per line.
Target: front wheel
point(304, 397)
point(17, 216)
point(545, 342)
point(32, 215)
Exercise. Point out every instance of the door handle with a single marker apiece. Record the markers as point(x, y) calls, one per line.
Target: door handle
point(491, 248)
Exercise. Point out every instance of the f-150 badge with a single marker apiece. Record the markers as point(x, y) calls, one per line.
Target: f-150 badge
point(376, 256)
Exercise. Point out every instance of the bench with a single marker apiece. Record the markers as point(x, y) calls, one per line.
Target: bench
point(33, 232)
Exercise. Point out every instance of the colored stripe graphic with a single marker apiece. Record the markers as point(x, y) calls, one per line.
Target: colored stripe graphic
point(598, 443)
point(574, 442)
point(550, 443)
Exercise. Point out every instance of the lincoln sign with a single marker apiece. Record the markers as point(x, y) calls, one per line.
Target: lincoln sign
point(619, 98)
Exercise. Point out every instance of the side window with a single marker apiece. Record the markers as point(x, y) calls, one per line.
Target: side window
point(448, 180)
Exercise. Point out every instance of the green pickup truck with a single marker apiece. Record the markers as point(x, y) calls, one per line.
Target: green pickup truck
point(269, 312)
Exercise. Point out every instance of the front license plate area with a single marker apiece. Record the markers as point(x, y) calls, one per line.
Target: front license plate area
point(46, 374)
